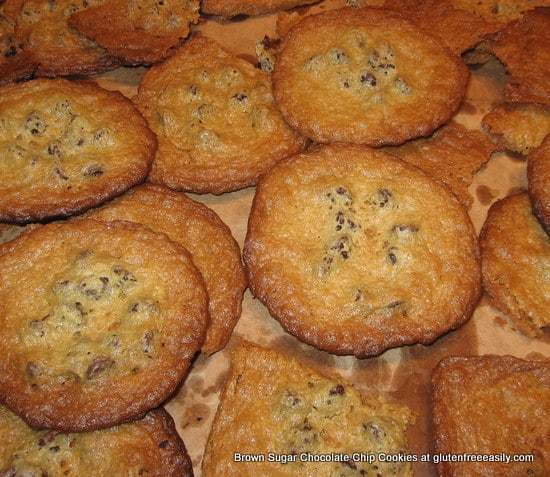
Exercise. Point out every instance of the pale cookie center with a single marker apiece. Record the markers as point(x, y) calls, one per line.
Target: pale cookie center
point(100, 320)
point(369, 71)
point(361, 233)
point(56, 144)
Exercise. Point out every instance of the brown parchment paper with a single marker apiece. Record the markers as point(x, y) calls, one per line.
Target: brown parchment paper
point(403, 373)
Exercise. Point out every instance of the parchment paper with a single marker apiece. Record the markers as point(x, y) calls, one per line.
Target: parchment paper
point(403, 373)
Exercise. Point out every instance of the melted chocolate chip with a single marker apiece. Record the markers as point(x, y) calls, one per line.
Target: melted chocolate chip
point(99, 365)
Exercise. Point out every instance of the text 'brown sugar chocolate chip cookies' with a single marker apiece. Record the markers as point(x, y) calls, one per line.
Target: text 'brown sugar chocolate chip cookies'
point(149, 446)
point(273, 405)
point(355, 252)
point(67, 146)
point(99, 322)
point(215, 118)
point(367, 76)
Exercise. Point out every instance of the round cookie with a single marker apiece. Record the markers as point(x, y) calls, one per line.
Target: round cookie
point(538, 181)
point(354, 251)
point(67, 146)
point(215, 118)
point(515, 254)
point(201, 231)
point(365, 76)
point(149, 446)
point(99, 322)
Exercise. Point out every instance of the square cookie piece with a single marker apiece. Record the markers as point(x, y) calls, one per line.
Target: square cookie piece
point(279, 417)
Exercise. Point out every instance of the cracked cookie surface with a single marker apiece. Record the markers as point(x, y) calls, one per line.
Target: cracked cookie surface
point(101, 320)
point(476, 397)
point(355, 252)
point(365, 76)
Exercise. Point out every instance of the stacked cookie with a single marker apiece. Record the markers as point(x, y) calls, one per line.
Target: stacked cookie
point(358, 239)
point(101, 315)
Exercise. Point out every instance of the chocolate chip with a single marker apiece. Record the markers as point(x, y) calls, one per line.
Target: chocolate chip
point(392, 255)
point(410, 228)
point(99, 365)
point(94, 170)
point(60, 173)
point(368, 79)
point(54, 149)
point(385, 196)
point(241, 97)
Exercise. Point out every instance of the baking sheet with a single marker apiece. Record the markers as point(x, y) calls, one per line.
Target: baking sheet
point(402, 373)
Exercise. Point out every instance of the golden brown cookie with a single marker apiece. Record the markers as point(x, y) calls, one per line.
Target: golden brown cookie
point(98, 322)
point(538, 181)
point(201, 231)
point(461, 29)
point(217, 123)
point(492, 410)
point(14, 64)
point(367, 76)
point(354, 251)
point(278, 417)
point(523, 47)
point(452, 154)
point(232, 8)
point(42, 30)
point(137, 32)
point(503, 11)
point(518, 127)
point(67, 146)
point(516, 263)
point(149, 446)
